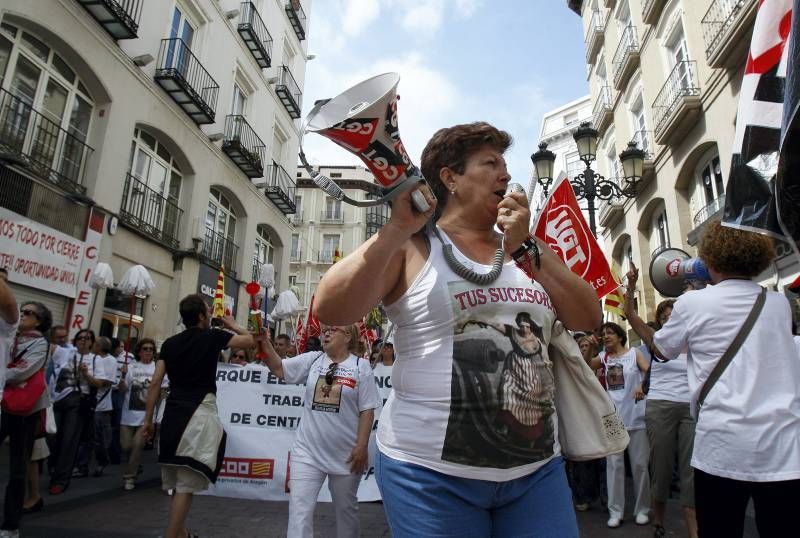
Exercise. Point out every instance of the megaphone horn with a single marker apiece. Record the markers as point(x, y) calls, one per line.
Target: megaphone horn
point(670, 268)
point(363, 120)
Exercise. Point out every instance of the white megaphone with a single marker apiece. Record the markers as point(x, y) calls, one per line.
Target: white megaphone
point(672, 267)
point(363, 120)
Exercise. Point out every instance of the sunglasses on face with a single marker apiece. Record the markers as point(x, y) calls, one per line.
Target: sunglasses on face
point(148, 348)
point(29, 312)
point(84, 337)
point(330, 373)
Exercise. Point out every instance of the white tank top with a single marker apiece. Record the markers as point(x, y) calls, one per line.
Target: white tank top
point(473, 384)
point(622, 378)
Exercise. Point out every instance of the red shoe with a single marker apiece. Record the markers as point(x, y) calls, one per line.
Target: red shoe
point(57, 489)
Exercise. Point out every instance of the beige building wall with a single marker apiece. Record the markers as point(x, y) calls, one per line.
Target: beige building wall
point(666, 74)
point(120, 77)
point(321, 223)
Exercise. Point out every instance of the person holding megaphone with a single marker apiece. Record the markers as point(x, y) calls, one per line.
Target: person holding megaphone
point(743, 375)
point(467, 443)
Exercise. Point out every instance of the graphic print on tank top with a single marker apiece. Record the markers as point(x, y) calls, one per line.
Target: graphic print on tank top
point(615, 376)
point(501, 408)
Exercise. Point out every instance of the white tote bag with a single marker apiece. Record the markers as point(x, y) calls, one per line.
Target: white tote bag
point(588, 424)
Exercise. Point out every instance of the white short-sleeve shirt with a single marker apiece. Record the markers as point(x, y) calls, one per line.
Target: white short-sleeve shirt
point(749, 426)
point(329, 425)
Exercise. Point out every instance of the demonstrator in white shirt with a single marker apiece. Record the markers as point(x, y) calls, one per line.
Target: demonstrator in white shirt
point(747, 442)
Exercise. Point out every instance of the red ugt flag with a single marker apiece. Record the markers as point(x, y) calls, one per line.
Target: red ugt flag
point(561, 225)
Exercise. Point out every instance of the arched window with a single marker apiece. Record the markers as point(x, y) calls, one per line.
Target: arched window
point(220, 240)
point(264, 251)
point(711, 181)
point(45, 109)
point(659, 238)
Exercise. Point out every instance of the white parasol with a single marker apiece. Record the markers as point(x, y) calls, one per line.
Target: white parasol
point(135, 281)
point(286, 306)
point(102, 278)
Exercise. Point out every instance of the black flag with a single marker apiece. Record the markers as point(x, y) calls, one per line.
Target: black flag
point(749, 200)
point(787, 186)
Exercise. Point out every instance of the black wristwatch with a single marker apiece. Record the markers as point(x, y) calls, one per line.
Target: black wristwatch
point(528, 248)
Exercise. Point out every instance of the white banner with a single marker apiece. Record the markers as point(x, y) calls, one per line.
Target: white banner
point(260, 415)
point(38, 256)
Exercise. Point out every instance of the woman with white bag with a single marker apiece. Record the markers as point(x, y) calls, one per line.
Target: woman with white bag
point(623, 368)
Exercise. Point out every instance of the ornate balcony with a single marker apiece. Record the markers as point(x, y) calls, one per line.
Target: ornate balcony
point(325, 256)
point(626, 57)
point(219, 250)
point(611, 211)
point(725, 26)
point(280, 188)
point(376, 219)
point(28, 197)
point(296, 256)
point(149, 212)
point(603, 111)
point(185, 79)
point(243, 146)
point(651, 10)
point(703, 217)
point(120, 18)
point(41, 145)
point(594, 35)
point(297, 18)
point(255, 34)
point(288, 92)
point(677, 105)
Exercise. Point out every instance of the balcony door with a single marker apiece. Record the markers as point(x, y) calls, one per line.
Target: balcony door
point(41, 81)
point(333, 209)
point(180, 28)
point(640, 125)
point(154, 189)
point(712, 182)
point(264, 251)
point(678, 55)
point(220, 241)
point(330, 244)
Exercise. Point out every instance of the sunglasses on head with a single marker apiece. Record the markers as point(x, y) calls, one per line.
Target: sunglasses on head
point(330, 373)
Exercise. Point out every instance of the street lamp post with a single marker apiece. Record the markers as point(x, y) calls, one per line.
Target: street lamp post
point(590, 185)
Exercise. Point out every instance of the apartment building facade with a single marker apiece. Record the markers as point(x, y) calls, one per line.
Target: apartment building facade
point(169, 130)
point(325, 227)
point(557, 130)
point(666, 74)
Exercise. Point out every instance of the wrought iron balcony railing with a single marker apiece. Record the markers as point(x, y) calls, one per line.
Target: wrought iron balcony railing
point(603, 110)
point(297, 17)
point(325, 256)
point(720, 23)
point(297, 218)
point(255, 34)
point(220, 250)
point(702, 216)
point(280, 188)
point(288, 92)
point(33, 139)
point(37, 201)
point(375, 221)
point(185, 79)
point(120, 18)
point(150, 212)
point(243, 146)
point(644, 139)
point(651, 9)
point(295, 256)
point(594, 35)
point(681, 83)
point(626, 56)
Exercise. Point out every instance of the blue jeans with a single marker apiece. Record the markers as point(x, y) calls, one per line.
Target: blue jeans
point(420, 502)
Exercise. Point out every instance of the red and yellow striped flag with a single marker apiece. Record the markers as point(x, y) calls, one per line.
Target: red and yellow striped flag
point(218, 306)
point(614, 301)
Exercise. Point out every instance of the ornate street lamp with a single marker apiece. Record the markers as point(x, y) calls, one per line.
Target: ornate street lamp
point(589, 185)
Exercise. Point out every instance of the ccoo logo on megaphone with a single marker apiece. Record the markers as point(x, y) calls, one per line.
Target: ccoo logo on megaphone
point(672, 267)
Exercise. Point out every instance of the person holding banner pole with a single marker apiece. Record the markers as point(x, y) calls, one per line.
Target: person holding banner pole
point(191, 441)
point(449, 462)
point(331, 442)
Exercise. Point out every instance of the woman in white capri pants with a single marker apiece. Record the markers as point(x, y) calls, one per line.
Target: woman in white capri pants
point(623, 369)
point(331, 442)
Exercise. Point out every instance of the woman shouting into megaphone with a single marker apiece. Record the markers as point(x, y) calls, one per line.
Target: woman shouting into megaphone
point(450, 463)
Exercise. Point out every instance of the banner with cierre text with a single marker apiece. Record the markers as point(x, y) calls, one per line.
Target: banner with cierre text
point(561, 225)
point(260, 414)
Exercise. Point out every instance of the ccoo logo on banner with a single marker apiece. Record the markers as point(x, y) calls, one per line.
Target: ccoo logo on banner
point(261, 414)
point(561, 225)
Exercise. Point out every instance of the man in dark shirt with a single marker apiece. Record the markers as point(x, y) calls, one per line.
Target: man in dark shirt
point(190, 360)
